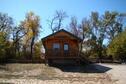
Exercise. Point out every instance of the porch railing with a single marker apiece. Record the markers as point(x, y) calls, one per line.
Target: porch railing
point(72, 53)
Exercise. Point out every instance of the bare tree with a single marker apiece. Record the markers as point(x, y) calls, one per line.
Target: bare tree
point(18, 33)
point(6, 23)
point(74, 27)
point(55, 23)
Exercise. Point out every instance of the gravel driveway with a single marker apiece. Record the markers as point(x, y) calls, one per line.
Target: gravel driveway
point(118, 72)
point(41, 74)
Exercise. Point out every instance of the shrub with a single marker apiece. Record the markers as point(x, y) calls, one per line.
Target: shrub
point(117, 47)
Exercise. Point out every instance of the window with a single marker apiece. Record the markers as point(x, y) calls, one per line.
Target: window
point(56, 46)
point(66, 47)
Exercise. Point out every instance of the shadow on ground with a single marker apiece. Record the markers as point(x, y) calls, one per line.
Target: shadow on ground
point(91, 68)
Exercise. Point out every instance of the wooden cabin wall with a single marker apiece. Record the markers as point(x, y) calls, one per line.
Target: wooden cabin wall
point(73, 44)
point(62, 38)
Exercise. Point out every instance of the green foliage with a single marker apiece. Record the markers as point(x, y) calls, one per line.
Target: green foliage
point(98, 28)
point(37, 50)
point(117, 48)
point(3, 46)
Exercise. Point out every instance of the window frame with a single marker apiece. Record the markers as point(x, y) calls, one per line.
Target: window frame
point(66, 49)
point(56, 46)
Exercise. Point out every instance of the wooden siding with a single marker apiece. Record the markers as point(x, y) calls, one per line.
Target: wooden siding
point(72, 51)
point(61, 38)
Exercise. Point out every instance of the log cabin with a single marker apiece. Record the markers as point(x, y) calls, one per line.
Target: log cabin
point(61, 47)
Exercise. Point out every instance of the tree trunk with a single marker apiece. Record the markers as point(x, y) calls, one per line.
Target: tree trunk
point(32, 43)
point(100, 54)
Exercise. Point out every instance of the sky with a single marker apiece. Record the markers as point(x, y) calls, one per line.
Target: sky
point(17, 9)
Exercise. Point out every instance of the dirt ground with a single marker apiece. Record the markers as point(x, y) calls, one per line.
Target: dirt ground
point(65, 74)
point(118, 72)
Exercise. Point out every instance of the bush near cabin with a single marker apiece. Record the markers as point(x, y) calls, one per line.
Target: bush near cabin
point(117, 47)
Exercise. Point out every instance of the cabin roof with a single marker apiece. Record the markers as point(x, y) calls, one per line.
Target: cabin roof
point(62, 30)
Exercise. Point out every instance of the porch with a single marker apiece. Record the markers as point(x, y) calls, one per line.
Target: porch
point(61, 54)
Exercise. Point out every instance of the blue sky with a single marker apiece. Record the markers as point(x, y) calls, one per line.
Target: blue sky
point(46, 8)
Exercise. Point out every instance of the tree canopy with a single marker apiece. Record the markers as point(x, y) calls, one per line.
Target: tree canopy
point(32, 25)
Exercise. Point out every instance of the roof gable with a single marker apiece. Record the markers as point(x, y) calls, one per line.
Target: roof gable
point(58, 33)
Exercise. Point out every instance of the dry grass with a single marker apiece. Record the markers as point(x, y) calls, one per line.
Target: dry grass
point(39, 73)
